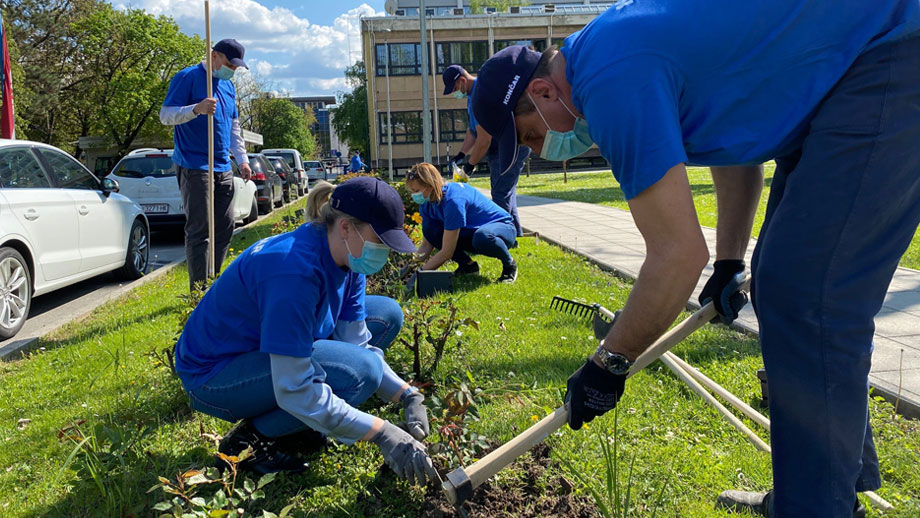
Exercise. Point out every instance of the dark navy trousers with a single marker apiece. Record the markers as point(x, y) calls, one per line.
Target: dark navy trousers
point(491, 239)
point(842, 210)
point(504, 186)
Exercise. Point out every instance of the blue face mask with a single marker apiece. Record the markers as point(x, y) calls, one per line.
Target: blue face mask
point(419, 198)
point(224, 72)
point(373, 257)
point(559, 145)
point(459, 94)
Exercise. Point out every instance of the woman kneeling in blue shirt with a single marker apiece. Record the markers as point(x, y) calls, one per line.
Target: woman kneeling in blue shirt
point(458, 220)
point(286, 341)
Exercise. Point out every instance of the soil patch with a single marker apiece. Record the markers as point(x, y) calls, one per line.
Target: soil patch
point(522, 490)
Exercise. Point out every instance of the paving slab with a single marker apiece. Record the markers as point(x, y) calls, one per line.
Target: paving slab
point(609, 237)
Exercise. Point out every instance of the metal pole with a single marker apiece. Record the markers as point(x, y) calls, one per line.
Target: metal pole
point(434, 95)
point(210, 89)
point(426, 109)
point(389, 122)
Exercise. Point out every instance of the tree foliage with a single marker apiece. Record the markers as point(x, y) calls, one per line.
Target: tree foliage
point(284, 125)
point(479, 6)
point(349, 119)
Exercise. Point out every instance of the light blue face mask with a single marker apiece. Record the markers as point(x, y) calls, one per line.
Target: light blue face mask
point(559, 145)
point(458, 94)
point(373, 257)
point(224, 72)
point(419, 198)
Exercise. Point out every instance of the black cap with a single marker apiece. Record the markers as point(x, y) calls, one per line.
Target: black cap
point(375, 202)
point(233, 50)
point(450, 76)
point(499, 84)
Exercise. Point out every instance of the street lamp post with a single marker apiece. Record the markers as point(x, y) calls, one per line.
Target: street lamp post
point(426, 110)
point(386, 44)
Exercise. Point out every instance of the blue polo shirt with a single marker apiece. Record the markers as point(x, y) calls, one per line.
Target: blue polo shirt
point(716, 82)
point(189, 87)
point(463, 207)
point(493, 147)
point(278, 296)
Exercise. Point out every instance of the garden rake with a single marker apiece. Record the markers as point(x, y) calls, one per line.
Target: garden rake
point(599, 319)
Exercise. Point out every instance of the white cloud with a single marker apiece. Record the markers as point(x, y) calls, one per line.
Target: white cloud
point(284, 48)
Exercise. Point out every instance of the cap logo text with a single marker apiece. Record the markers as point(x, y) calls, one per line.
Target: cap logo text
point(511, 86)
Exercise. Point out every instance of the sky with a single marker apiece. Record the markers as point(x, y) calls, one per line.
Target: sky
point(300, 46)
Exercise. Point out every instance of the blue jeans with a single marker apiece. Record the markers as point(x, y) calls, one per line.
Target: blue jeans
point(243, 389)
point(491, 240)
point(504, 186)
point(841, 213)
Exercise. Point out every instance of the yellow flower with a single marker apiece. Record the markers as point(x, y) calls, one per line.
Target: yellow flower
point(587, 426)
point(534, 417)
point(417, 217)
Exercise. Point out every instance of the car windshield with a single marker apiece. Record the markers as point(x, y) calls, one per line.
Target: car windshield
point(288, 157)
point(279, 165)
point(160, 166)
point(256, 164)
point(312, 165)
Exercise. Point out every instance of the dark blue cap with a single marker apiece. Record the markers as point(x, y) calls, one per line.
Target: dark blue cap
point(375, 202)
point(233, 50)
point(499, 84)
point(450, 76)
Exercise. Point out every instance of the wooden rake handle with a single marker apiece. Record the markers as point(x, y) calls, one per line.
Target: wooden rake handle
point(461, 482)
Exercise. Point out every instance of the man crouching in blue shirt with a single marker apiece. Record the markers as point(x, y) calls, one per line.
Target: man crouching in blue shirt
point(286, 340)
point(186, 107)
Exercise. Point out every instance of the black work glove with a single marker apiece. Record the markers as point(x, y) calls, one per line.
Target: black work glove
point(458, 157)
point(468, 168)
point(723, 289)
point(592, 391)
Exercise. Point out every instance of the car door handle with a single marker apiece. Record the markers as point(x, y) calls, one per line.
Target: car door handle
point(32, 215)
point(83, 210)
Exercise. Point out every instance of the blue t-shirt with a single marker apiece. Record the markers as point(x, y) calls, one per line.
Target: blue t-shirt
point(463, 207)
point(716, 82)
point(356, 164)
point(189, 87)
point(493, 146)
point(278, 297)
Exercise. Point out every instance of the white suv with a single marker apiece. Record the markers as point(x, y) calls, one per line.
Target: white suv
point(148, 176)
point(60, 225)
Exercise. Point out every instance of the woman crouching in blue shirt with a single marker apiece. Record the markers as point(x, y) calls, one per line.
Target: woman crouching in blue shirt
point(459, 220)
point(286, 340)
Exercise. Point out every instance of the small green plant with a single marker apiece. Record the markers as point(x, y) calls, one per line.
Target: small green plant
point(345, 177)
point(234, 495)
point(432, 323)
point(611, 500)
point(165, 357)
point(451, 416)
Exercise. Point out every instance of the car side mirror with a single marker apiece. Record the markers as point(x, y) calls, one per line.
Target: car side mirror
point(109, 186)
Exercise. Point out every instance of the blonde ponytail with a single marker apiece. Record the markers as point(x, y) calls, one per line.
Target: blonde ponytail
point(319, 210)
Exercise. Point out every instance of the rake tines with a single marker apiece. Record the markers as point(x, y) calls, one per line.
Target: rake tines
point(572, 307)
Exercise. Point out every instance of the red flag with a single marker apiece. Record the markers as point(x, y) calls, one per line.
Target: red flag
point(7, 127)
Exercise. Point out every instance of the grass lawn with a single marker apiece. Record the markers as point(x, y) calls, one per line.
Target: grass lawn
point(602, 188)
point(100, 370)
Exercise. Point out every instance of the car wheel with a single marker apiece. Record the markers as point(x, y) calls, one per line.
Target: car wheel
point(16, 283)
point(137, 257)
point(253, 212)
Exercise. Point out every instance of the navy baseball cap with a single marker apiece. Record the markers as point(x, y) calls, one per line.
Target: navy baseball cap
point(376, 203)
point(450, 76)
point(233, 50)
point(499, 84)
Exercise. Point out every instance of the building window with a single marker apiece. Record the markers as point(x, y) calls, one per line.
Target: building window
point(407, 127)
point(468, 54)
point(453, 125)
point(404, 59)
point(540, 44)
point(500, 44)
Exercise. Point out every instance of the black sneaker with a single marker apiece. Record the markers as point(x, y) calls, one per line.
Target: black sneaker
point(472, 268)
point(509, 274)
point(513, 245)
point(307, 442)
point(759, 503)
point(267, 456)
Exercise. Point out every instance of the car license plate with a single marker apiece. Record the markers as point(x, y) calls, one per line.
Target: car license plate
point(156, 208)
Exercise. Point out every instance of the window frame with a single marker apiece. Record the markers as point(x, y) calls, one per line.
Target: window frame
point(397, 70)
point(443, 58)
point(456, 115)
point(50, 170)
point(41, 167)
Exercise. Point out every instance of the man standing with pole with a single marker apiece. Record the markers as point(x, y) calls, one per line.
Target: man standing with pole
point(478, 144)
point(831, 91)
point(202, 153)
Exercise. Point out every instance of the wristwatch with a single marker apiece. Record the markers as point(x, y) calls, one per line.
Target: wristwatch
point(615, 363)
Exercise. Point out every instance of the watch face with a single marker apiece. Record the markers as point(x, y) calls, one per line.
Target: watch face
point(615, 362)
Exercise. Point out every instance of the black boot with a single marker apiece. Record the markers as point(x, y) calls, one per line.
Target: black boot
point(471, 268)
point(267, 456)
point(509, 274)
point(305, 442)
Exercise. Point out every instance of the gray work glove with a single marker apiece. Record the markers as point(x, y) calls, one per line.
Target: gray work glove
point(416, 415)
point(405, 455)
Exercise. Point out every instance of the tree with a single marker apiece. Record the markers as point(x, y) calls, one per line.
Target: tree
point(349, 119)
point(284, 125)
point(478, 6)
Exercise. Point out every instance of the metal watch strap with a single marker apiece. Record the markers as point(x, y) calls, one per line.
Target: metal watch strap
point(614, 363)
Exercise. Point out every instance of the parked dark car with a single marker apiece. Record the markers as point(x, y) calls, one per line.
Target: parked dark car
point(270, 187)
point(288, 177)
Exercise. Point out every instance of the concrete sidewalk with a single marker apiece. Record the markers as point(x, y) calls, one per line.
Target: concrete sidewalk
point(609, 237)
